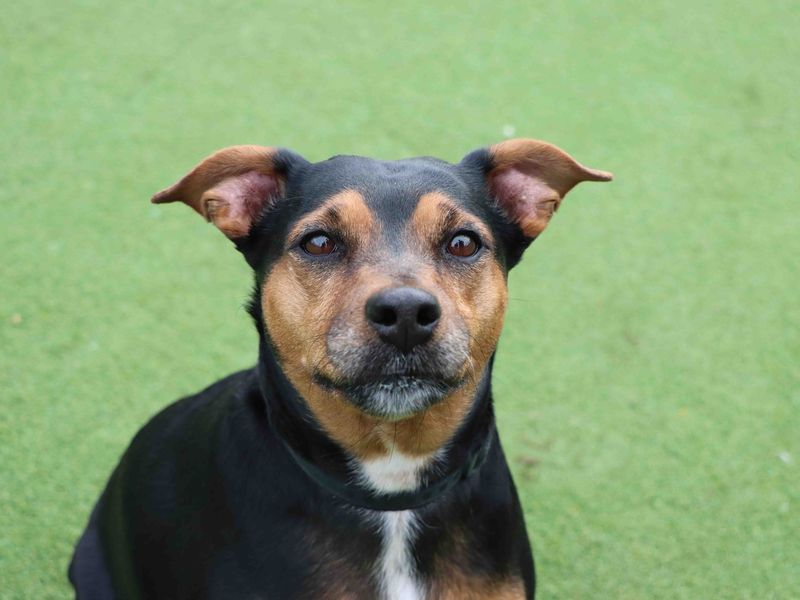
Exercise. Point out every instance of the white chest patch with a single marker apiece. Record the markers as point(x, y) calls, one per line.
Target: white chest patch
point(397, 576)
point(396, 473)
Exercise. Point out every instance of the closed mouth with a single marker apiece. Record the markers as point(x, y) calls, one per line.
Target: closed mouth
point(393, 396)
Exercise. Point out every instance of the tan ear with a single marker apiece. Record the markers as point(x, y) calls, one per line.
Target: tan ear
point(230, 188)
point(529, 179)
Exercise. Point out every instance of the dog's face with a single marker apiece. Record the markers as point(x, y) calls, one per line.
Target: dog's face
point(389, 287)
point(382, 285)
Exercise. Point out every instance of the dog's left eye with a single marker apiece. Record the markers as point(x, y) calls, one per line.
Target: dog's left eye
point(318, 244)
point(463, 244)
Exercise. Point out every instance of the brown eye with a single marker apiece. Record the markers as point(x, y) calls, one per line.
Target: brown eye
point(318, 243)
point(463, 244)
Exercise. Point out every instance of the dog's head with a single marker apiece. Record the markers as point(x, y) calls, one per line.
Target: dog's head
point(382, 284)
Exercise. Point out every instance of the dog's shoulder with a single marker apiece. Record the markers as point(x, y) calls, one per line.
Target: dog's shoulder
point(192, 420)
point(171, 484)
point(178, 448)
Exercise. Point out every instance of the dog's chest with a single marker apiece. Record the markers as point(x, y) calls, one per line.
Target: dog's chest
point(396, 572)
point(395, 569)
point(391, 572)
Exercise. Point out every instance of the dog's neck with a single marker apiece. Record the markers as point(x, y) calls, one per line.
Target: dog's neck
point(325, 462)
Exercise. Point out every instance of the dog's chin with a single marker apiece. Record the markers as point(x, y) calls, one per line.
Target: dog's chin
point(395, 397)
point(398, 397)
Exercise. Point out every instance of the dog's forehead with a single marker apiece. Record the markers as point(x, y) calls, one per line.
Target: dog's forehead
point(390, 189)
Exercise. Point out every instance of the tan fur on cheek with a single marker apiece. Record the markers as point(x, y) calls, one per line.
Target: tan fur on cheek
point(488, 300)
point(296, 325)
point(284, 303)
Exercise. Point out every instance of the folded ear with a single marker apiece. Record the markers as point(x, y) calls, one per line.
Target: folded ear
point(232, 187)
point(529, 178)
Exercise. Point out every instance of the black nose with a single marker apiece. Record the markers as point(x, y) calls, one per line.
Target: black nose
point(403, 316)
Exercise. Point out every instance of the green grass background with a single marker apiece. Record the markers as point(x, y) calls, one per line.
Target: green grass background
point(647, 380)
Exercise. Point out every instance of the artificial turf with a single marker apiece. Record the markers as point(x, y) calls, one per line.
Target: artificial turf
point(648, 380)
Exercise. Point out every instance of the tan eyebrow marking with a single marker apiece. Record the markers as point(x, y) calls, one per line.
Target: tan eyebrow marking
point(436, 213)
point(346, 211)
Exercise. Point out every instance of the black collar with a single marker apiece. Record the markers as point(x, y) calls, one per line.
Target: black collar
point(364, 497)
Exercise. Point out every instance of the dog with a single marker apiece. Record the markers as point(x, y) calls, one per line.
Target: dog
point(359, 458)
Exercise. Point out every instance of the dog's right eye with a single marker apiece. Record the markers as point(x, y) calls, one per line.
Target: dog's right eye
point(317, 244)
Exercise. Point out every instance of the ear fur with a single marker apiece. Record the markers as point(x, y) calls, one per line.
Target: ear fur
point(230, 188)
point(529, 179)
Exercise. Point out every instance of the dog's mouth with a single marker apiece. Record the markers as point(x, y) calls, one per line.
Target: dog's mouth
point(391, 385)
point(393, 396)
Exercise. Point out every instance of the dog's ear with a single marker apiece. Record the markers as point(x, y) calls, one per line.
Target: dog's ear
point(529, 178)
point(233, 186)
